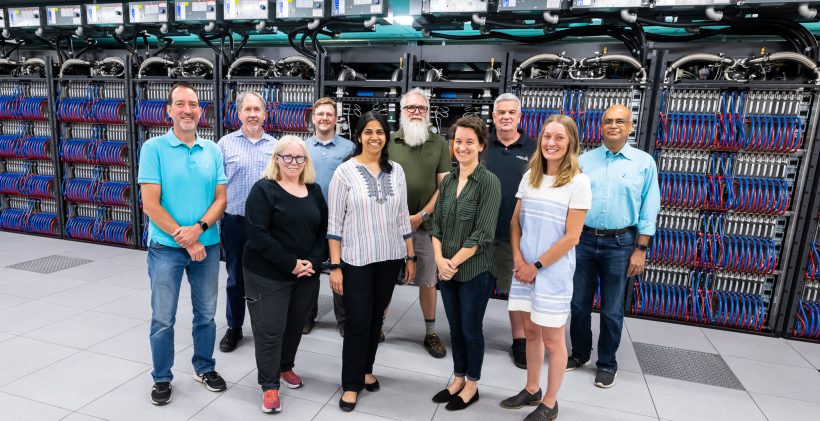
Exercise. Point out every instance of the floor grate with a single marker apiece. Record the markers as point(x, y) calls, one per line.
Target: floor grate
point(325, 305)
point(50, 264)
point(686, 365)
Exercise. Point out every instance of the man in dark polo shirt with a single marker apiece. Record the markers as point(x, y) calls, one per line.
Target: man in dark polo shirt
point(507, 155)
point(425, 158)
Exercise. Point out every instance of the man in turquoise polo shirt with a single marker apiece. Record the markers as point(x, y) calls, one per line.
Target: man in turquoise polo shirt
point(182, 180)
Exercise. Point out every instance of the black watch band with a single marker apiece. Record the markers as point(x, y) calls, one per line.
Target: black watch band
point(202, 224)
point(538, 265)
point(332, 266)
point(641, 247)
point(411, 258)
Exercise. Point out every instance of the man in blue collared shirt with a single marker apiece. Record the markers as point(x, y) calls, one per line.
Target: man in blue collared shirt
point(327, 150)
point(183, 193)
point(247, 151)
point(617, 230)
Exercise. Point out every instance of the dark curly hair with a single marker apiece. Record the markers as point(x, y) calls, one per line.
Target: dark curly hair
point(384, 161)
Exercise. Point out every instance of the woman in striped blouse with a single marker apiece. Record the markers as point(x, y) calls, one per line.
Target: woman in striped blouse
point(463, 230)
point(369, 239)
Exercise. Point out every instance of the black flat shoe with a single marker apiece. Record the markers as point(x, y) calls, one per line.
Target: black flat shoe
point(457, 404)
point(346, 406)
point(444, 396)
point(372, 387)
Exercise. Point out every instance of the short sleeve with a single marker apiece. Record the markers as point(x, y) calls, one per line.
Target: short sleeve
point(219, 162)
point(522, 185)
point(444, 163)
point(149, 170)
point(581, 195)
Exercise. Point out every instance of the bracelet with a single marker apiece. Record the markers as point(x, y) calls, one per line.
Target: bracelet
point(411, 258)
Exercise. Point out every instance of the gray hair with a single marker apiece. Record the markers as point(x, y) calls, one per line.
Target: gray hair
point(507, 97)
point(415, 91)
point(241, 99)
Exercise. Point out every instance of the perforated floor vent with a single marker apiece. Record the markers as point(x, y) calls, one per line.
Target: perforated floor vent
point(686, 365)
point(50, 264)
point(325, 305)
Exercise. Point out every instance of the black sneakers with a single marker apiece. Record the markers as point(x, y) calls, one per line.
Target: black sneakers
point(522, 398)
point(519, 353)
point(161, 393)
point(605, 377)
point(573, 363)
point(543, 413)
point(212, 381)
point(230, 340)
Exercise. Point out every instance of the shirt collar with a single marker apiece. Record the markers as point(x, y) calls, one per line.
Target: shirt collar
point(626, 151)
point(239, 133)
point(174, 141)
point(477, 172)
point(519, 143)
point(315, 140)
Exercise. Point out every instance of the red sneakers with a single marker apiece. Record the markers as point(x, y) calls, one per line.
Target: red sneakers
point(290, 379)
point(271, 402)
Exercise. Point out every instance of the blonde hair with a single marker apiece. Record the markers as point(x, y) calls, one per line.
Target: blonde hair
point(271, 172)
point(569, 167)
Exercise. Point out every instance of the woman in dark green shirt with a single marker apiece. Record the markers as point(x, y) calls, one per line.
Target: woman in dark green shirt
point(463, 229)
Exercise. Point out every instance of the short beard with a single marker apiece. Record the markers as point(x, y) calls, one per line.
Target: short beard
point(415, 133)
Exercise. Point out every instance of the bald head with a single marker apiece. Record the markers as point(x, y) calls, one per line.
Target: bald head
point(616, 125)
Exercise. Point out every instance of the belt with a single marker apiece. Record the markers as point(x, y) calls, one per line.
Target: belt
point(607, 233)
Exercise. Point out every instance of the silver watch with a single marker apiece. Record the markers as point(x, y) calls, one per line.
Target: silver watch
point(424, 215)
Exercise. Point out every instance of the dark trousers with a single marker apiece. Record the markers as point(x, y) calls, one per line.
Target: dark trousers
point(367, 292)
point(464, 304)
point(234, 238)
point(606, 258)
point(277, 317)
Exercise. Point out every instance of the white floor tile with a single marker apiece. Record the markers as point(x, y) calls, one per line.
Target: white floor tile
point(32, 315)
point(679, 400)
point(232, 366)
point(810, 351)
point(629, 394)
point(782, 409)
point(134, 345)
point(668, 334)
point(135, 306)
point(132, 401)
point(81, 417)
point(244, 403)
point(83, 330)
point(20, 409)
point(321, 375)
point(574, 411)
point(486, 409)
point(755, 347)
point(625, 356)
point(89, 296)
point(131, 258)
point(331, 412)
point(76, 381)
point(22, 356)
point(38, 286)
point(405, 351)
point(6, 336)
point(7, 301)
point(133, 279)
point(779, 380)
point(93, 271)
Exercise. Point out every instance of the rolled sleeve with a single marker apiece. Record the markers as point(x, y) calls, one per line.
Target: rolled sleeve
point(651, 203)
point(487, 214)
point(438, 211)
point(404, 214)
point(337, 206)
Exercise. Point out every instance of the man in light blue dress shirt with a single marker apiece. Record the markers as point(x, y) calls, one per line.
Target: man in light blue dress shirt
point(247, 151)
point(617, 230)
point(327, 150)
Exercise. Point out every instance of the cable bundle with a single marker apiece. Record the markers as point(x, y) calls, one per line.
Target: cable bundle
point(761, 195)
point(532, 119)
point(112, 152)
point(41, 186)
point(13, 219)
point(75, 110)
point(813, 269)
point(108, 111)
point(116, 232)
point(42, 223)
point(288, 117)
point(34, 108)
point(589, 126)
point(12, 183)
point(738, 310)
point(230, 118)
point(661, 300)
point(684, 189)
point(37, 147)
point(674, 247)
point(80, 228)
point(807, 320)
point(77, 151)
point(80, 190)
point(113, 193)
point(153, 112)
point(9, 146)
point(10, 107)
point(687, 130)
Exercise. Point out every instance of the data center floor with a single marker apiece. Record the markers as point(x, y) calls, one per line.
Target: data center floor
point(74, 346)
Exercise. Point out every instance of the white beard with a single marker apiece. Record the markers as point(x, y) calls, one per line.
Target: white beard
point(415, 133)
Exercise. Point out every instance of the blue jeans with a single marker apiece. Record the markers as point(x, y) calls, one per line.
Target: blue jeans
point(165, 268)
point(606, 258)
point(465, 303)
point(234, 238)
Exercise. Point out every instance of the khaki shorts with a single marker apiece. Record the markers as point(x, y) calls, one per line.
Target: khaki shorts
point(503, 264)
point(426, 271)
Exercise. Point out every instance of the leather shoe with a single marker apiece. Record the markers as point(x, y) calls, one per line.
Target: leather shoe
point(309, 324)
point(230, 340)
point(444, 396)
point(340, 326)
point(457, 404)
point(346, 406)
point(372, 387)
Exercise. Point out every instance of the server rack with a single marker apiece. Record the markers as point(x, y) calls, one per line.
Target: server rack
point(732, 162)
point(151, 83)
point(97, 154)
point(29, 172)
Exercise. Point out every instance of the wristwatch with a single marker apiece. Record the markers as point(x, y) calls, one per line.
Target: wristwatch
point(538, 265)
point(641, 247)
point(411, 258)
point(424, 215)
point(202, 224)
point(332, 266)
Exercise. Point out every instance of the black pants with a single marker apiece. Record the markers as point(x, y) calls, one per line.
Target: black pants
point(278, 314)
point(234, 238)
point(367, 292)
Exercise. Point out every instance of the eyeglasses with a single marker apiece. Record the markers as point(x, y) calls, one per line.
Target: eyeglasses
point(288, 159)
point(415, 108)
point(619, 122)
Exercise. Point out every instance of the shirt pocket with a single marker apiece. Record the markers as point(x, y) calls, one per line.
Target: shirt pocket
point(632, 185)
point(467, 210)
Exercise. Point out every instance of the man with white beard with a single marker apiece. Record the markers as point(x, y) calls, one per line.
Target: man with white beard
point(425, 158)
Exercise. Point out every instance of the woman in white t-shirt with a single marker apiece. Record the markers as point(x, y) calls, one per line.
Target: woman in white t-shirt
point(554, 197)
